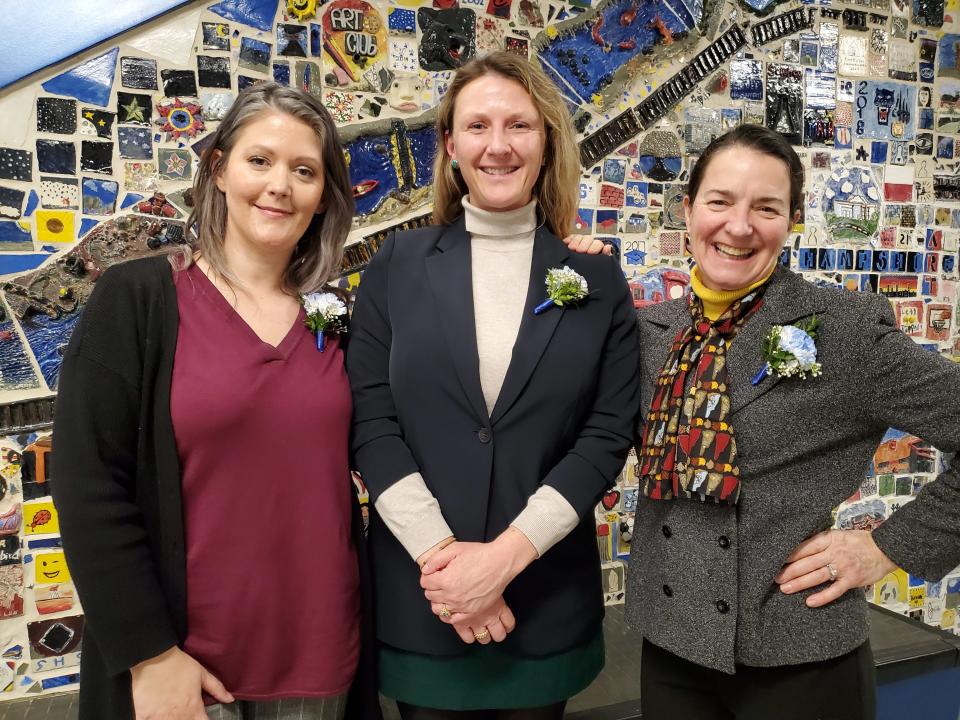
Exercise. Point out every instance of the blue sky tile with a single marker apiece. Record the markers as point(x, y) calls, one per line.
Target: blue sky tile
point(256, 13)
point(89, 82)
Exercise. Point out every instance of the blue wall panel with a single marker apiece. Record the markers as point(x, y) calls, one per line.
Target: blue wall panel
point(41, 34)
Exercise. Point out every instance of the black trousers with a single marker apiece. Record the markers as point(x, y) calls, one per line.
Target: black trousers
point(843, 688)
point(547, 712)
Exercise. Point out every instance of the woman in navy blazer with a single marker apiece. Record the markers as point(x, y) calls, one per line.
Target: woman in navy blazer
point(486, 433)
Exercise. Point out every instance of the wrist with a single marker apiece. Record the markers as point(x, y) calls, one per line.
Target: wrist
point(516, 550)
point(886, 564)
point(425, 557)
point(167, 654)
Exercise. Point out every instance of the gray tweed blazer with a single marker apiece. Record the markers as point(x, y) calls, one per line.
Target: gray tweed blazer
point(701, 575)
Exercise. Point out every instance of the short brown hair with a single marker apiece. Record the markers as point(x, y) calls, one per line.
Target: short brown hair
point(316, 258)
point(557, 187)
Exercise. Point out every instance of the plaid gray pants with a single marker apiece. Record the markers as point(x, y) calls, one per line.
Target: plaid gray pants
point(328, 708)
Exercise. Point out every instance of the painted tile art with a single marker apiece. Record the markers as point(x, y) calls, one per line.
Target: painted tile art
point(100, 149)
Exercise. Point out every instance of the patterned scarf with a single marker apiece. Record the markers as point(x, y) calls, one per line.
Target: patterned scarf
point(688, 448)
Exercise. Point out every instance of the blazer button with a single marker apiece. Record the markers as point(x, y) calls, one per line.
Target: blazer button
point(723, 541)
point(668, 591)
point(722, 607)
point(483, 435)
point(667, 532)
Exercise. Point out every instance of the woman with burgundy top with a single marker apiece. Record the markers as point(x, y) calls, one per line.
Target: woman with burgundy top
point(201, 442)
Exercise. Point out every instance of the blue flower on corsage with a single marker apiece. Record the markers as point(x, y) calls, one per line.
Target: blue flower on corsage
point(326, 312)
point(790, 350)
point(565, 286)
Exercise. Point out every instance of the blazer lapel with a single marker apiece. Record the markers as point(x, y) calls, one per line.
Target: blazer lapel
point(787, 300)
point(535, 330)
point(662, 322)
point(449, 274)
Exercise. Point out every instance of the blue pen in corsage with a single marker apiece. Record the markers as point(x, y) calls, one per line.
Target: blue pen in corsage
point(790, 350)
point(565, 286)
point(325, 313)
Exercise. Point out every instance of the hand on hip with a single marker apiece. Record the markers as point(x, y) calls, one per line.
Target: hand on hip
point(848, 558)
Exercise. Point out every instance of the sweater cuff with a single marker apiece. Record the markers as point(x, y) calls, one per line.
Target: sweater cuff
point(413, 515)
point(547, 519)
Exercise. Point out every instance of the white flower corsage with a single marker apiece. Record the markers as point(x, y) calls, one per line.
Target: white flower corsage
point(325, 313)
point(790, 350)
point(565, 286)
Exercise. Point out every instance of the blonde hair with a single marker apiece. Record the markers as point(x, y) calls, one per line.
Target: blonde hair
point(557, 187)
point(317, 256)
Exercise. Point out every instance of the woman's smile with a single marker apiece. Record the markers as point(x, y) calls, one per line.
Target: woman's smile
point(731, 251)
point(273, 212)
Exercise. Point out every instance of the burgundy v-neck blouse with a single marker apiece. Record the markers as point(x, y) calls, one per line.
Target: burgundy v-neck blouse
point(272, 582)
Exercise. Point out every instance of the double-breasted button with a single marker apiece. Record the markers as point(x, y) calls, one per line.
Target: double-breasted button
point(723, 541)
point(484, 435)
point(722, 607)
point(667, 532)
point(668, 591)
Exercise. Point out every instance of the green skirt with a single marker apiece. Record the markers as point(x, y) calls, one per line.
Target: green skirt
point(488, 677)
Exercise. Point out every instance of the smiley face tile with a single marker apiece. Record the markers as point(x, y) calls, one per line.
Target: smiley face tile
point(50, 568)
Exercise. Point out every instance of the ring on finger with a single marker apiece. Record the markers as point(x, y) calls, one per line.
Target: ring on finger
point(444, 612)
point(482, 635)
point(833, 572)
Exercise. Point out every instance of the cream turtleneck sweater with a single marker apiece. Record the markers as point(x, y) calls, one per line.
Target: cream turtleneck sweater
point(501, 252)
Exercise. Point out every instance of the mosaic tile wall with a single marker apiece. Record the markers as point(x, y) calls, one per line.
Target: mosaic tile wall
point(97, 154)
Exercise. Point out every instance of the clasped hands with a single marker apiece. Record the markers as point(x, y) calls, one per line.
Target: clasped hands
point(464, 583)
point(848, 558)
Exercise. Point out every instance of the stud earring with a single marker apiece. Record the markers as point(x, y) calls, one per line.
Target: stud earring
point(454, 164)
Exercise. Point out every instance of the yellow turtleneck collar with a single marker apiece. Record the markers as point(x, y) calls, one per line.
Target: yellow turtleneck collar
point(715, 302)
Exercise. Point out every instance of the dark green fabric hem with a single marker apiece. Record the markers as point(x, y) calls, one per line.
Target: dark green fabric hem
point(488, 677)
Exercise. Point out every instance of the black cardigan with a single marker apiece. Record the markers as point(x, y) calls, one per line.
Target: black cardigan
point(116, 484)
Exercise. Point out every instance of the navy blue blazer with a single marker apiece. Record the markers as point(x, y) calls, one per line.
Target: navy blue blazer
point(563, 418)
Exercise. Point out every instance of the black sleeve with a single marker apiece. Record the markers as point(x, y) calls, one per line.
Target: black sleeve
point(95, 441)
point(379, 449)
point(598, 454)
point(918, 391)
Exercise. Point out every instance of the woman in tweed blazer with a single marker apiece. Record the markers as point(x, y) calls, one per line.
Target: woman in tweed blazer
point(746, 600)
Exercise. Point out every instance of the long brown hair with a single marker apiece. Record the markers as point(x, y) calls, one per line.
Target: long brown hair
point(316, 258)
point(557, 187)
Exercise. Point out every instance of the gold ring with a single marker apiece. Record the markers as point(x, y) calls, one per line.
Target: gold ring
point(481, 635)
point(444, 612)
point(833, 572)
